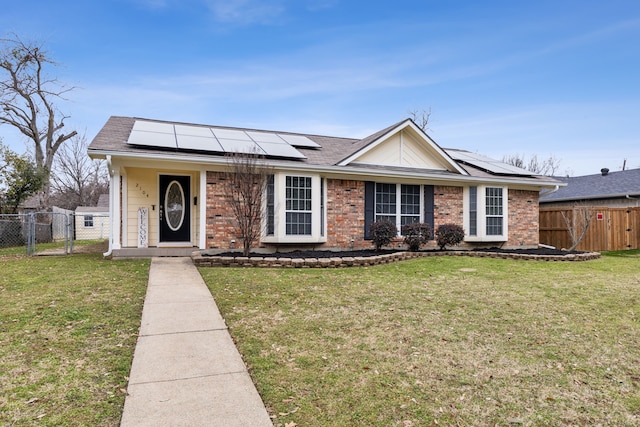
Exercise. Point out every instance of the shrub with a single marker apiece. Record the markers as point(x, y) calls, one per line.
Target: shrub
point(449, 235)
point(382, 233)
point(416, 234)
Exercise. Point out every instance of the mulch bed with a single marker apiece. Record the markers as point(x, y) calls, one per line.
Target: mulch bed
point(363, 258)
point(372, 252)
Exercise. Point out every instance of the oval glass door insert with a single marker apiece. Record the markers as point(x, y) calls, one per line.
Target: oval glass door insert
point(174, 205)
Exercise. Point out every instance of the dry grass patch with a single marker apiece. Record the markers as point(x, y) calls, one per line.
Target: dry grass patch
point(449, 341)
point(68, 328)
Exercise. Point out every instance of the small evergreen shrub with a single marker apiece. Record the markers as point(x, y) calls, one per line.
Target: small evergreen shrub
point(382, 233)
point(416, 234)
point(449, 235)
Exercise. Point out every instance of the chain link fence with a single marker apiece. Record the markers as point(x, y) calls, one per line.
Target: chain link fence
point(51, 232)
point(13, 232)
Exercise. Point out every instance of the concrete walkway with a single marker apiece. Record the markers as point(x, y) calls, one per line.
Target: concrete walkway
point(186, 370)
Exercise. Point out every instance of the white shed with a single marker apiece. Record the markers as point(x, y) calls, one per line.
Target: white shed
point(92, 222)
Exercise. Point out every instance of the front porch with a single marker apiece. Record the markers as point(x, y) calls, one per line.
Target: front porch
point(126, 253)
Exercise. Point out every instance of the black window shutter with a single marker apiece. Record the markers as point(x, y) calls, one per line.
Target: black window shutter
point(369, 207)
point(429, 207)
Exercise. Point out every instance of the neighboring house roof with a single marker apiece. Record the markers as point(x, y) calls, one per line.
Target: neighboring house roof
point(103, 206)
point(609, 185)
point(34, 201)
point(103, 201)
point(378, 154)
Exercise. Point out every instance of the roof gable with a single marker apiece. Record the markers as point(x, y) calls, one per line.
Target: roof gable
point(403, 145)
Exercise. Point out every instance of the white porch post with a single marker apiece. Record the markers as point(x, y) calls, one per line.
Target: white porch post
point(202, 244)
point(116, 214)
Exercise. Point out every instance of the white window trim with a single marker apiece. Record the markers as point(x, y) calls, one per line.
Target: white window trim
point(398, 213)
point(280, 217)
point(482, 216)
point(86, 218)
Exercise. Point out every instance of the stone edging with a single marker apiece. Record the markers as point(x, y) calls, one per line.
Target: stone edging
point(273, 262)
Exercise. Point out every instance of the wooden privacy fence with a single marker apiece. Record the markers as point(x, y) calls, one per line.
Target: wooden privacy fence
point(611, 229)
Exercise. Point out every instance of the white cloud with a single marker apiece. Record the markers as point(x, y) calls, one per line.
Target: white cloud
point(245, 12)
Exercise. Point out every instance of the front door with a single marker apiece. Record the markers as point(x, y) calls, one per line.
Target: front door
point(175, 208)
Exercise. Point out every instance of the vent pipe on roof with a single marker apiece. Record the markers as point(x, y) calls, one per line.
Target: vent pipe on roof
point(604, 171)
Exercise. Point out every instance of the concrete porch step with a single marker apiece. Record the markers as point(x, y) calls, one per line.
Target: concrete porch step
point(153, 252)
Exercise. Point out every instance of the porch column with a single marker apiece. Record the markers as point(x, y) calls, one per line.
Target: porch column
point(116, 212)
point(202, 244)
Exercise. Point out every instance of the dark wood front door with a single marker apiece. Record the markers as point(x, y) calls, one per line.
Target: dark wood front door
point(175, 208)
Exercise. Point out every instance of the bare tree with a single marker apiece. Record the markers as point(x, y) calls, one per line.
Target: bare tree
point(547, 166)
point(421, 118)
point(245, 184)
point(76, 180)
point(577, 223)
point(27, 98)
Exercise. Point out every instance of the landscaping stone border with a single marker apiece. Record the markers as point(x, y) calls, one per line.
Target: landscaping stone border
point(337, 262)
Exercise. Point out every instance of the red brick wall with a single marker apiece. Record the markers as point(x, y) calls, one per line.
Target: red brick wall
point(345, 214)
point(447, 201)
point(523, 218)
point(220, 219)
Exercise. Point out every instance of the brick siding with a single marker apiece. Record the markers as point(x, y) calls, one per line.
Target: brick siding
point(523, 218)
point(220, 218)
point(345, 214)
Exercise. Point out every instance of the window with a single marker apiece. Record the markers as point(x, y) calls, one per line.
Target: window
point(485, 212)
point(473, 211)
point(493, 206)
point(409, 204)
point(322, 214)
point(386, 202)
point(88, 221)
point(298, 205)
point(398, 203)
point(295, 209)
point(271, 206)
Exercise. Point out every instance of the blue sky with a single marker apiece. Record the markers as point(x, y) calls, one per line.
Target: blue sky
point(551, 78)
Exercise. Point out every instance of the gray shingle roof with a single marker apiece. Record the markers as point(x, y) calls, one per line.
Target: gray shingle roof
point(597, 186)
point(113, 137)
point(103, 200)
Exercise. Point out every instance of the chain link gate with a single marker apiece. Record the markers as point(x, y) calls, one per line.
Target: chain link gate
point(48, 232)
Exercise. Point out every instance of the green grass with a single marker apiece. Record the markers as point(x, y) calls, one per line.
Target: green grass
point(79, 246)
point(68, 328)
point(441, 341)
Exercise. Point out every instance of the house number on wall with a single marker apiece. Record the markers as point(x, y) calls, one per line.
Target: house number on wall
point(144, 192)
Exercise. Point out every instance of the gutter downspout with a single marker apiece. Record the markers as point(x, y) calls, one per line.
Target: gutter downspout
point(108, 253)
point(628, 196)
point(557, 187)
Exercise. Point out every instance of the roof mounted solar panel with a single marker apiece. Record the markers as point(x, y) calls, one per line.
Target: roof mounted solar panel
point(194, 131)
point(266, 137)
point(141, 125)
point(299, 141)
point(487, 164)
point(199, 143)
point(152, 139)
point(280, 150)
point(231, 134)
point(240, 146)
point(215, 140)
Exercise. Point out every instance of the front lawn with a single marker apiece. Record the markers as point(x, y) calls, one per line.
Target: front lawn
point(68, 328)
point(441, 341)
